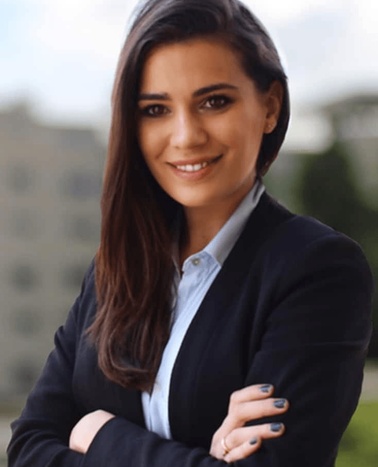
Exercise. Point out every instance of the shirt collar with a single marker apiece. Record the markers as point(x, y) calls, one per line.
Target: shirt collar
point(221, 245)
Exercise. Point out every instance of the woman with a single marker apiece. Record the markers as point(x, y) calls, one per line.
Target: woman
point(206, 296)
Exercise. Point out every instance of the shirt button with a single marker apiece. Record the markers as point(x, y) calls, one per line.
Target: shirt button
point(196, 261)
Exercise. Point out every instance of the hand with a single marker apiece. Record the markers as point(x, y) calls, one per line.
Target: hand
point(233, 440)
point(86, 429)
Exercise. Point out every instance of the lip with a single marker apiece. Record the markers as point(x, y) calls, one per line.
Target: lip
point(209, 160)
point(197, 175)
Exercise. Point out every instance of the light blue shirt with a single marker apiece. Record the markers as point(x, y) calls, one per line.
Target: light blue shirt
point(198, 273)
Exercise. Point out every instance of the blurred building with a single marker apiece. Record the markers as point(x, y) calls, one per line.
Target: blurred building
point(355, 123)
point(352, 120)
point(50, 181)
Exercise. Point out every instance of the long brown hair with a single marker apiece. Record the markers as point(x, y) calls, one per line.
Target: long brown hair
point(134, 267)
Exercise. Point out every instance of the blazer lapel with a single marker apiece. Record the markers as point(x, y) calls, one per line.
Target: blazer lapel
point(263, 221)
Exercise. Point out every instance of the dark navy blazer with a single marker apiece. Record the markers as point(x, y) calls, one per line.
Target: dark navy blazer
point(291, 307)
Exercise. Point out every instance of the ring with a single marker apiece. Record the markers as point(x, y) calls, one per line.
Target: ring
point(226, 449)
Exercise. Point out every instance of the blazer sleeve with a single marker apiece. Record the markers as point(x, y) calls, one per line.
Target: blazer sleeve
point(40, 436)
point(317, 329)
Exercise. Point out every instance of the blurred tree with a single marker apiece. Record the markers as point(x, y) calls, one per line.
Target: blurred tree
point(328, 191)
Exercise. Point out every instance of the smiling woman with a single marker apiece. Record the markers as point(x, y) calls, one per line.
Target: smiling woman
point(192, 129)
point(208, 306)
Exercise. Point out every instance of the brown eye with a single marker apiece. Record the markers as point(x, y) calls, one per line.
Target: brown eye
point(217, 102)
point(155, 110)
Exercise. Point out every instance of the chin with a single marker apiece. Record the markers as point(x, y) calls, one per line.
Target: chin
point(192, 198)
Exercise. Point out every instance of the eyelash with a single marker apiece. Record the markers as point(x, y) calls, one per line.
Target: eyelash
point(213, 102)
point(148, 111)
point(221, 101)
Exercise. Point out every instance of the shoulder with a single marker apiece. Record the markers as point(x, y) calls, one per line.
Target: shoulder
point(299, 244)
point(272, 225)
point(297, 232)
point(275, 241)
point(84, 309)
point(303, 245)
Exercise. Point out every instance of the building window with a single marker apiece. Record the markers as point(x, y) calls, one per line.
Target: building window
point(22, 224)
point(83, 229)
point(26, 322)
point(19, 179)
point(24, 374)
point(82, 185)
point(73, 276)
point(23, 277)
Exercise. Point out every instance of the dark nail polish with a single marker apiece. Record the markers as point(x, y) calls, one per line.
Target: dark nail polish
point(266, 388)
point(253, 441)
point(279, 403)
point(276, 427)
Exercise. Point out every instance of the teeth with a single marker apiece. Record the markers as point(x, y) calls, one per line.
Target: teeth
point(192, 167)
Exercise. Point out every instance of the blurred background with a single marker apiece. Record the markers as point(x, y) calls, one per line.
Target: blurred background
point(57, 62)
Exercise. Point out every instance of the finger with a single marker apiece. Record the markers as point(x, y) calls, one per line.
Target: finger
point(239, 436)
point(228, 441)
point(244, 412)
point(242, 442)
point(250, 393)
point(243, 450)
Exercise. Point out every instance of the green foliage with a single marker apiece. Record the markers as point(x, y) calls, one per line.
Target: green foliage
point(328, 191)
point(359, 446)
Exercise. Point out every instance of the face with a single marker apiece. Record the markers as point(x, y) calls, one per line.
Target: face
point(201, 122)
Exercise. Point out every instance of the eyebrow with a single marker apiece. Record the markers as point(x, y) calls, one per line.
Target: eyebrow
point(213, 87)
point(198, 93)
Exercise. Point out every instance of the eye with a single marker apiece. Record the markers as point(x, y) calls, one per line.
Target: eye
point(216, 102)
point(154, 110)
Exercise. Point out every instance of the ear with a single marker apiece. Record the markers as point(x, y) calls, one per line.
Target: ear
point(274, 99)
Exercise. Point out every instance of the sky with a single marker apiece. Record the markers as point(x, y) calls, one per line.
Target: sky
point(60, 55)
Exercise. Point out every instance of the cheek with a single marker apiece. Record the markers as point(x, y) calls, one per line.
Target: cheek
point(225, 130)
point(250, 136)
point(144, 137)
point(147, 149)
point(235, 136)
point(151, 141)
point(240, 129)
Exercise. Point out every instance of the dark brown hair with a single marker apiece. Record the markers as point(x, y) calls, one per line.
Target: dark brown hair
point(134, 267)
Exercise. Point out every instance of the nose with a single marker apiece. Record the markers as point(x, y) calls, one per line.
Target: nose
point(187, 131)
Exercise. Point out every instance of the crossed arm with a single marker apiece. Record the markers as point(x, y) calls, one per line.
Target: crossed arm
point(232, 441)
point(319, 370)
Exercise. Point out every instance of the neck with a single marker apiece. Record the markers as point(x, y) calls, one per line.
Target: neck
point(203, 223)
point(199, 230)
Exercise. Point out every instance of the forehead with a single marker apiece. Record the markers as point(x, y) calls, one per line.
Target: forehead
point(192, 64)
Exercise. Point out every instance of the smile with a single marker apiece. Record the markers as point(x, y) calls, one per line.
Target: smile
point(194, 167)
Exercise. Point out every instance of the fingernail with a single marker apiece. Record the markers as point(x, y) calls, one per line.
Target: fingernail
point(253, 441)
point(279, 403)
point(276, 427)
point(266, 388)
